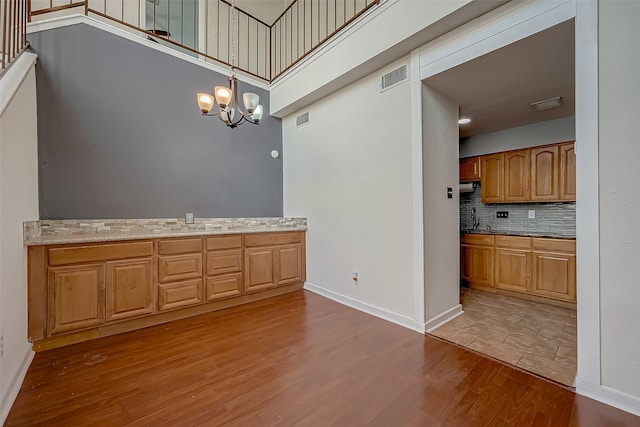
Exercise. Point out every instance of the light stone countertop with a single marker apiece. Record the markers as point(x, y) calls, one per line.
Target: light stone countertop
point(522, 233)
point(58, 232)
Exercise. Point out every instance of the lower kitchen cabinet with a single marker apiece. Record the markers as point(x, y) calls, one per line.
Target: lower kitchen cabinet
point(476, 260)
point(179, 294)
point(224, 286)
point(513, 263)
point(76, 297)
point(554, 269)
point(129, 288)
point(289, 260)
point(260, 272)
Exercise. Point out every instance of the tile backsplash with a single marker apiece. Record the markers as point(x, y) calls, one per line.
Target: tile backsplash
point(556, 218)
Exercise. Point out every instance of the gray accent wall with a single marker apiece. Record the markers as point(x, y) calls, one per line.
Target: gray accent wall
point(120, 135)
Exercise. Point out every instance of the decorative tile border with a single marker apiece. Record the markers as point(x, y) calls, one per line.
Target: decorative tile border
point(49, 232)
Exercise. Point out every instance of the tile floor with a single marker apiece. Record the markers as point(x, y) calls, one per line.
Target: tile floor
point(540, 338)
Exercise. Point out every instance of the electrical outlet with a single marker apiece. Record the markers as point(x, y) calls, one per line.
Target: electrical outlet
point(188, 218)
point(355, 278)
point(532, 214)
point(502, 214)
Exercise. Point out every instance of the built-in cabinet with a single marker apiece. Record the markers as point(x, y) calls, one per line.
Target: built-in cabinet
point(82, 291)
point(539, 174)
point(535, 268)
point(470, 169)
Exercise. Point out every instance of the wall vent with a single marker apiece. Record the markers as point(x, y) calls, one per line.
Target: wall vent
point(302, 119)
point(393, 78)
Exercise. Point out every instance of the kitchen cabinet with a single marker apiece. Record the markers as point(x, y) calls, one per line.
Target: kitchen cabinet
point(567, 172)
point(224, 267)
point(88, 290)
point(179, 273)
point(492, 178)
point(517, 176)
point(476, 260)
point(545, 173)
point(539, 174)
point(470, 169)
point(129, 288)
point(554, 269)
point(513, 263)
point(541, 269)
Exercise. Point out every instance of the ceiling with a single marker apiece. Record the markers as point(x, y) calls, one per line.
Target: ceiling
point(265, 10)
point(495, 90)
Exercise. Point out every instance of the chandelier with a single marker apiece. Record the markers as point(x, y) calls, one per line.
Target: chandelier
point(227, 96)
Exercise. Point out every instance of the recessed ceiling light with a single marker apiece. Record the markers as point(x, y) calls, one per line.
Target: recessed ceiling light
point(547, 104)
point(464, 120)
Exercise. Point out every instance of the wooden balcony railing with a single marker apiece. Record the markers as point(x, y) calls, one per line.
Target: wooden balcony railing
point(203, 28)
point(13, 35)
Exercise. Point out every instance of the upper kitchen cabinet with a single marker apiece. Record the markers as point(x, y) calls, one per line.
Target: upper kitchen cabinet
point(492, 178)
point(545, 173)
point(567, 172)
point(470, 169)
point(517, 176)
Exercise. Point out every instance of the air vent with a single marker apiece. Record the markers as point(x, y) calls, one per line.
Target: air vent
point(302, 119)
point(393, 78)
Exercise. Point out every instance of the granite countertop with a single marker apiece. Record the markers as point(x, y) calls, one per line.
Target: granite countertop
point(57, 232)
point(522, 233)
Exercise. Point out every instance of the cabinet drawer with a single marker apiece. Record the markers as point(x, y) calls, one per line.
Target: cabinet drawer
point(272, 239)
point(513, 242)
point(229, 285)
point(181, 294)
point(559, 245)
point(94, 253)
point(224, 242)
point(477, 239)
point(221, 262)
point(179, 246)
point(179, 267)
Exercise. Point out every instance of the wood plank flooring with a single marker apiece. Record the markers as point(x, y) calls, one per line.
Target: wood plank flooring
point(295, 359)
point(537, 337)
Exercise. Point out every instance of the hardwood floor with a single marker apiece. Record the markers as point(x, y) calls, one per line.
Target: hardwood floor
point(295, 359)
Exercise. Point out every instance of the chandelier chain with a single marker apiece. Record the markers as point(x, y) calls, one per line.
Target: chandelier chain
point(234, 23)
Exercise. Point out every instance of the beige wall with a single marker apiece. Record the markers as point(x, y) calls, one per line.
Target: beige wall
point(18, 203)
point(619, 151)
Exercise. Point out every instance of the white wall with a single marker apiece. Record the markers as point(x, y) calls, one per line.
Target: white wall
point(619, 92)
point(349, 173)
point(18, 203)
point(549, 132)
point(441, 214)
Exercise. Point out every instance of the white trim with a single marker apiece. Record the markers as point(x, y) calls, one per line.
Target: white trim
point(607, 395)
point(13, 77)
point(14, 386)
point(417, 187)
point(587, 199)
point(366, 308)
point(491, 32)
point(442, 318)
point(65, 21)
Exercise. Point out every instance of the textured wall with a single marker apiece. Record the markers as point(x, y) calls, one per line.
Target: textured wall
point(557, 218)
point(120, 135)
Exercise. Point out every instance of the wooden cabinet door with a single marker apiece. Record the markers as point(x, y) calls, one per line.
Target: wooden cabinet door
point(554, 275)
point(470, 169)
point(259, 265)
point(76, 297)
point(179, 294)
point(492, 179)
point(513, 269)
point(223, 262)
point(517, 176)
point(477, 265)
point(567, 172)
point(545, 174)
point(129, 288)
point(289, 264)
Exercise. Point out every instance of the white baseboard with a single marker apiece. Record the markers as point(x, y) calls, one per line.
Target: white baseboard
point(398, 319)
point(442, 318)
point(14, 386)
point(607, 395)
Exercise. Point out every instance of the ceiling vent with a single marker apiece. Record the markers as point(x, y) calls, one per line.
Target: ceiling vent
point(548, 104)
point(393, 78)
point(302, 119)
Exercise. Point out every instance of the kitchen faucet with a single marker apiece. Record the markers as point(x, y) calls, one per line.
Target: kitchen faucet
point(474, 219)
